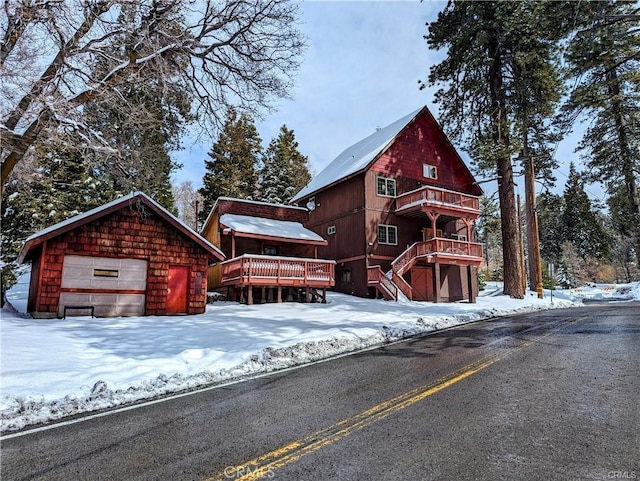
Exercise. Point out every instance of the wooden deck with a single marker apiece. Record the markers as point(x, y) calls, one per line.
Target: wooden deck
point(444, 251)
point(443, 200)
point(268, 271)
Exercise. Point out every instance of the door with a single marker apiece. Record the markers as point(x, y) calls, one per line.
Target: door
point(422, 283)
point(177, 292)
point(112, 287)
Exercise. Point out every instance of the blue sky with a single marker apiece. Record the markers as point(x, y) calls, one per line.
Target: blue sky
point(360, 71)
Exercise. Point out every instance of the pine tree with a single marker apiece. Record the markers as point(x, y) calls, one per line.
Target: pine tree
point(146, 123)
point(61, 186)
point(488, 226)
point(581, 225)
point(550, 225)
point(233, 164)
point(285, 170)
point(605, 61)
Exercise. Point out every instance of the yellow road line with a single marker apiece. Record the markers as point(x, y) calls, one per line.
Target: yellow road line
point(266, 464)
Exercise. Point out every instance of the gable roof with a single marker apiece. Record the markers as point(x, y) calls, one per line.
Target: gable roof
point(357, 158)
point(362, 154)
point(79, 220)
point(259, 227)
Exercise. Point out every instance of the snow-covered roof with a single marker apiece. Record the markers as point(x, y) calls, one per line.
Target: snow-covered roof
point(80, 219)
point(357, 157)
point(259, 226)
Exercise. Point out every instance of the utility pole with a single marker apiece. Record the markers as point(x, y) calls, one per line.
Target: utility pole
point(521, 244)
point(533, 235)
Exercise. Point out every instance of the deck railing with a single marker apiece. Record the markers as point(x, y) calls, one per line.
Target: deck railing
point(436, 196)
point(375, 277)
point(261, 270)
point(438, 245)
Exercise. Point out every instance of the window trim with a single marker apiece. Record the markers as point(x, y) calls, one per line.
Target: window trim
point(429, 166)
point(386, 186)
point(388, 228)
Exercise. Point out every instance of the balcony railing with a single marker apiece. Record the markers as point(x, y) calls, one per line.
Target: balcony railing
point(257, 270)
point(434, 196)
point(470, 251)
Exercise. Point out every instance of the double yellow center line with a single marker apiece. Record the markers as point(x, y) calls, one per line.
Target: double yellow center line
point(266, 464)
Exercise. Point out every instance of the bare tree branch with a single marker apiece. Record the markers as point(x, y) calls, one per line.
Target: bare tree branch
point(238, 53)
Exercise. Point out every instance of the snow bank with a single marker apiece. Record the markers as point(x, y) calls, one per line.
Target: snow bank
point(51, 369)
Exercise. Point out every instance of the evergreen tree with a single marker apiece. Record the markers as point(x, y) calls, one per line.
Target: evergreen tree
point(501, 83)
point(233, 164)
point(145, 123)
point(285, 170)
point(60, 187)
point(567, 275)
point(550, 226)
point(488, 226)
point(581, 225)
point(605, 61)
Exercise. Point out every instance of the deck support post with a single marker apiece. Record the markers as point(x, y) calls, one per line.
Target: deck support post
point(263, 299)
point(279, 297)
point(436, 281)
point(249, 295)
point(470, 283)
point(324, 296)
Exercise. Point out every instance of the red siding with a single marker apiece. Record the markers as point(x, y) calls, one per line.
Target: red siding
point(263, 210)
point(423, 142)
point(127, 234)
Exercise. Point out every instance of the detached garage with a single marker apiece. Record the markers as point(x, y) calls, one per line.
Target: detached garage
point(130, 257)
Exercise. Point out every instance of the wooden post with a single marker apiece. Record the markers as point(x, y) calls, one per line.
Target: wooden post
point(264, 295)
point(279, 296)
point(249, 295)
point(436, 281)
point(324, 295)
point(470, 283)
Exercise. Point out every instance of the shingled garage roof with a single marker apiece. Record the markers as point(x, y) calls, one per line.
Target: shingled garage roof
point(130, 199)
point(258, 227)
point(357, 157)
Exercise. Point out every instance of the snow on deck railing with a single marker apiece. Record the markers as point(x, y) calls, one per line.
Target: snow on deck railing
point(252, 268)
point(434, 195)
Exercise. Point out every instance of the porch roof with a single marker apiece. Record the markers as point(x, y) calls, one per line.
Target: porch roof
point(259, 227)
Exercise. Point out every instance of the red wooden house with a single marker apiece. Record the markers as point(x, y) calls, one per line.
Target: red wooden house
point(398, 209)
point(272, 256)
point(129, 257)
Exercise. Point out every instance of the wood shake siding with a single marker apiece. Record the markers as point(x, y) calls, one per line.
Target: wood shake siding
point(131, 234)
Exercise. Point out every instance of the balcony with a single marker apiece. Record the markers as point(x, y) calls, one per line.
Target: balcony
point(444, 251)
point(266, 271)
point(447, 202)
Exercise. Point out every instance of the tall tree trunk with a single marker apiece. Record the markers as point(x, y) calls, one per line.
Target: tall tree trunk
point(630, 187)
point(512, 260)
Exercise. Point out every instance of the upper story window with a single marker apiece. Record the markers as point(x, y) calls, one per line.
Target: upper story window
point(429, 171)
point(386, 187)
point(387, 234)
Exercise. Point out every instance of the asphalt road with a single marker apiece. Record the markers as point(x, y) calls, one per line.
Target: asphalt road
point(553, 395)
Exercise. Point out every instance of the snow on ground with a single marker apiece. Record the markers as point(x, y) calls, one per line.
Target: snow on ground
point(55, 368)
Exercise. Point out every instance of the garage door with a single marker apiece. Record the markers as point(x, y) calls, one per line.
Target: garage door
point(114, 287)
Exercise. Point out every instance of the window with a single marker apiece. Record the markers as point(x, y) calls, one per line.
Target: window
point(346, 276)
point(105, 273)
point(387, 234)
point(270, 250)
point(386, 187)
point(429, 171)
point(331, 230)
